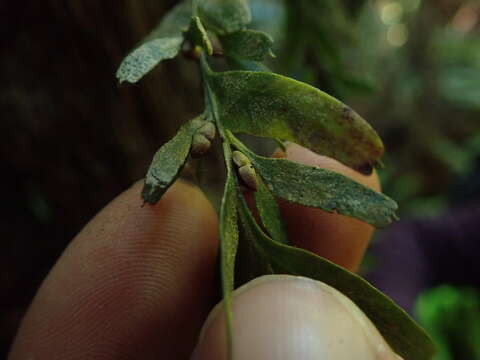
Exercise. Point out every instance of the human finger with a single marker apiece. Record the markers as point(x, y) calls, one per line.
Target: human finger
point(338, 238)
point(136, 283)
point(289, 317)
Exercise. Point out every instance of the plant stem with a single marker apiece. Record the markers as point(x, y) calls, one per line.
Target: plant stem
point(212, 107)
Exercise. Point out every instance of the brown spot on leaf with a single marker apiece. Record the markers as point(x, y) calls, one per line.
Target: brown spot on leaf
point(348, 115)
point(365, 169)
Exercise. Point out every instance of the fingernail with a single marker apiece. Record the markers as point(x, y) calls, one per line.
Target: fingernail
point(288, 317)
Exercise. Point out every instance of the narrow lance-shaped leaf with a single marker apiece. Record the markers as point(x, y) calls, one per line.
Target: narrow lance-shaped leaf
point(247, 44)
point(249, 263)
point(269, 212)
point(228, 245)
point(281, 144)
point(271, 105)
point(198, 35)
point(321, 188)
point(164, 42)
point(168, 161)
point(224, 16)
point(401, 332)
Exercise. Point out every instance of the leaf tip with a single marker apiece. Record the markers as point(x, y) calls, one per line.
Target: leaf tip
point(365, 169)
point(380, 164)
point(123, 77)
point(151, 193)
point(119, 76)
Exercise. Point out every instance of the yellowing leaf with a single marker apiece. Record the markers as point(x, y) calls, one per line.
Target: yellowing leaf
point(271, 105)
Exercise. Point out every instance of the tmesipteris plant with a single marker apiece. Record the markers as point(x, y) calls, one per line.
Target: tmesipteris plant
point(258, 102)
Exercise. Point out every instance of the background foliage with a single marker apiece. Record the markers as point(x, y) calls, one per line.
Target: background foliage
point(72, 139)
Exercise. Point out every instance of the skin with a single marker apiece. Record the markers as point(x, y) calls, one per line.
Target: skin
point(340, 239)
point(139, 282)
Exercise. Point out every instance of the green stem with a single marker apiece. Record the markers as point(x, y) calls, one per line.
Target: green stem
point(232, 139)
point(194, 8)
point(212, 106)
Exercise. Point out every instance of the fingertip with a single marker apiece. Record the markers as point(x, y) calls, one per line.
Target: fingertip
point(290, 317)
point(338, 238)
point(130, 282)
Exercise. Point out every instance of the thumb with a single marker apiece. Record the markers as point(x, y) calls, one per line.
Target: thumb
point(288, 317)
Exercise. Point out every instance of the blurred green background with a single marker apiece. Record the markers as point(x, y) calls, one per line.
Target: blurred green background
point(71, 139)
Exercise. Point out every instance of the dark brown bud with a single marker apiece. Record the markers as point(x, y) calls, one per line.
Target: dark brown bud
point(208, 130)
point(200, 145)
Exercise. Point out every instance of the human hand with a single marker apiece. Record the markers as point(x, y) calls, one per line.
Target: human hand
point(138, 283)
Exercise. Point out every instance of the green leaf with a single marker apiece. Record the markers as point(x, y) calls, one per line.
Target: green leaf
point(249, 264)
point(401, 332)
point(224, 16)
point(321, 188)
point(270, 213)
point(248, 44)
point(228, 245)
point(451, 315)
point(164, 42)
point(241, 64)
point(198, 35)
point(271, 105)
point(168, 161)
point(280, 144)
